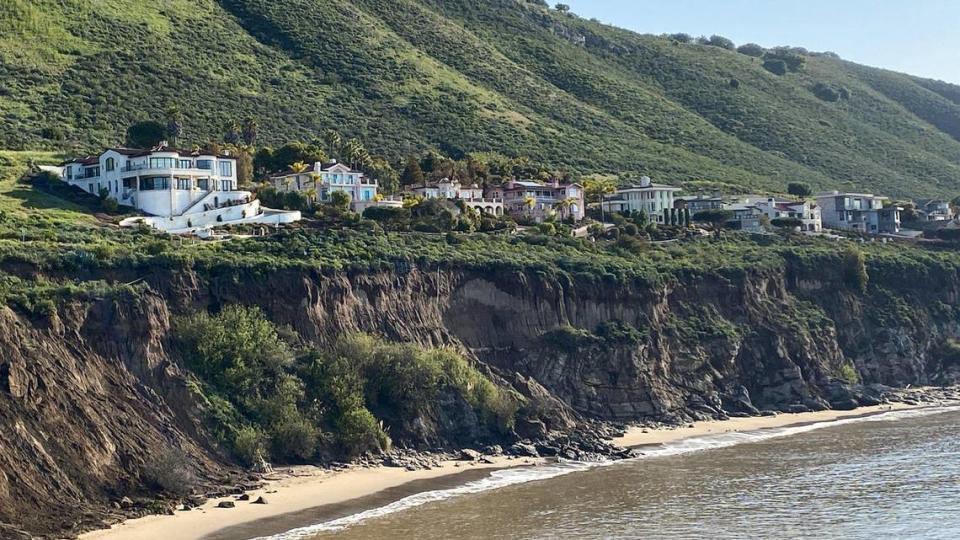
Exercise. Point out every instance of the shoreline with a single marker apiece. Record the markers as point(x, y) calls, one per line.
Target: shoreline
point(304, 495)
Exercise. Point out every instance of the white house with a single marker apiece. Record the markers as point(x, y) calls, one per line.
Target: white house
point(326, 178)
point(863, 212)
point(807, 212)
point(184, 191)
point(471, 196)
point(647, 197)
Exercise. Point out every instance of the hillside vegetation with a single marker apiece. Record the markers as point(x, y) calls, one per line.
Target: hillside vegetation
point(508, 76)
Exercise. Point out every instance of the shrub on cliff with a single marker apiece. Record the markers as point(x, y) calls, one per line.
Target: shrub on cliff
point(336, 401)
point(855, 269)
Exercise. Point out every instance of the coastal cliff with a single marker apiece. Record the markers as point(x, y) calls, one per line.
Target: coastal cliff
point(93, 392)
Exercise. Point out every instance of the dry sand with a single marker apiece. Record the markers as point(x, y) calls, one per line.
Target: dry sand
point(304, 488)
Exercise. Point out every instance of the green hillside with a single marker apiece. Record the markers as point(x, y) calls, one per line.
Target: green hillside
point(510, 76)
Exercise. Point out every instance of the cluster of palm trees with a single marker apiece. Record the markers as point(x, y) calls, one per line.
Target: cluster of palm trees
point(351, 151)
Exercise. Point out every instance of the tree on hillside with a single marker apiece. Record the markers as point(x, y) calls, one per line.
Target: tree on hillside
point(250, 131)
point(799, 189)
point(715, 218)
point(232, 134)
point(174, 128)
point(340, 200)
point(385, 174)
point(751, 49)
point(681, 37)
point(412, 173)
point(596, 189)
point(722, 42)
point(145, 134)
point(562, 8)
point(334, 142)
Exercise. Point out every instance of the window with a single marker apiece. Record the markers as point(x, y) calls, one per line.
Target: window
point(206, 164)
point(154, 183)
point(162, 163)
point(204, 184)
point(185, 164)
point(226, 168)
point(110, 164)
point(183, 183)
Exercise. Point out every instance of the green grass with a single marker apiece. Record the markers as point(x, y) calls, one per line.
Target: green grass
point(461, 76)
point(20, 201)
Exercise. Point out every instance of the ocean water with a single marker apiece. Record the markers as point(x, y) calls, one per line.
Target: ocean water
point(894, 475)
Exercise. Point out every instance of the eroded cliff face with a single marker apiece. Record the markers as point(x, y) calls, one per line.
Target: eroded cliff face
point(704, 344)
point(87, 397)
point(90, 395)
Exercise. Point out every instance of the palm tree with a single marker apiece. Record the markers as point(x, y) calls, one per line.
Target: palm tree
point(563, 207)
point(598, 188)
point(333, 139)
point(355, 152)
point(299, 167)
point(530, 202)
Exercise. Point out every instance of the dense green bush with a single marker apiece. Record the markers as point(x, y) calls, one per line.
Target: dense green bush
point(338, 401)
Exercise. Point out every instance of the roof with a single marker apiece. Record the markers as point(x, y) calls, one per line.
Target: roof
point(847, 194)
point(651, 186)
point(86, 160)
point(331, 164)
point(290, 173)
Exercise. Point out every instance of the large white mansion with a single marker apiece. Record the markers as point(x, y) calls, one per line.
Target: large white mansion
point(183, 191)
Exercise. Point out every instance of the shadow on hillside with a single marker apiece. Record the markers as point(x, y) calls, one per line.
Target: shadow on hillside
point(37, 200)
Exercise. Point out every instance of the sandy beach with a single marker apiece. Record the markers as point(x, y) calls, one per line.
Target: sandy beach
point(644, 437)
point(298, 489)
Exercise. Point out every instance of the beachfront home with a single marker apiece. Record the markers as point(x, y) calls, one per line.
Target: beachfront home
point(539, 200)
point(806, 211)
point(472, 196)
point(863, 212)
point(647, 197)
point(185, 191)
point(320, 182)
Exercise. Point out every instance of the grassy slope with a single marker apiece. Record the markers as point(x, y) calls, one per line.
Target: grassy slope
point(459, 75)
point(20, 203)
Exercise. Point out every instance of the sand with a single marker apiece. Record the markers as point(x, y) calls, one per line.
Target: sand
point(302, 488)
point(292, 490)
point(644, 437)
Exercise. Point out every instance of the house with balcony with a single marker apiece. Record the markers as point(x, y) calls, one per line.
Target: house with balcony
point(862, 212)
point(320, 182)
point(699, 202)
point(647, 197)
point(539, 200)
point(806, 211)
point(934, 209)
point(472, 196)
point(746, 217)
point(183, 191)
